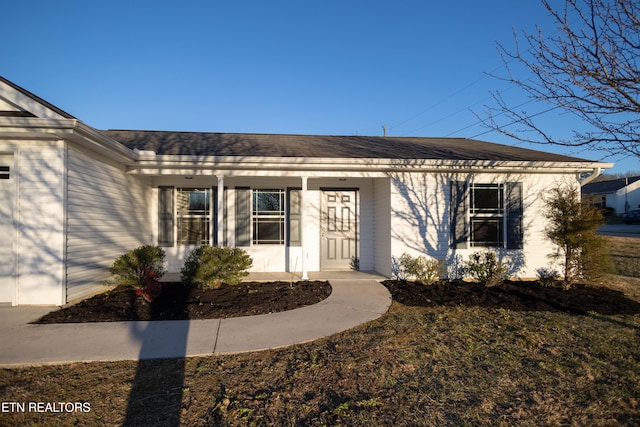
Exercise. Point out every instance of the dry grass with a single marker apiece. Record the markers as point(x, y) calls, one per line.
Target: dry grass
point(413, 366)
point(625, 254)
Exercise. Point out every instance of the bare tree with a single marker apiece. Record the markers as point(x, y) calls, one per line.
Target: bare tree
point(588, 68)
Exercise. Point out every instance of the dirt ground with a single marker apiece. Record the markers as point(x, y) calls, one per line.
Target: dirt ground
point(515, 295)
point(178, 302)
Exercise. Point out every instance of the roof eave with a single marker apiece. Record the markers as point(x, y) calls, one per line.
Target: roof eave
point(151, 164)
point(67, 129)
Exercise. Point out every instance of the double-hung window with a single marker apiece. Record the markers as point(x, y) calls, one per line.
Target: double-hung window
point(268, 216)
point(194, 215)
point(487, 214)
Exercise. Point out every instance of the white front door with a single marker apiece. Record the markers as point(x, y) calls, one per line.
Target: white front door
point(7, 230)
point(339, 230)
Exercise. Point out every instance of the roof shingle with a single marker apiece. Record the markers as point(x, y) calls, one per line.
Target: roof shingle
point(325, 146)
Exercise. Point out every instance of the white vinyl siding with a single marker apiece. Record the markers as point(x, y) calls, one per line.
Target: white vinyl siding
point(366, 208)
point(419, 215)
point(40, 221)
point(107, 215)
point(382, 226)
point(7, 229)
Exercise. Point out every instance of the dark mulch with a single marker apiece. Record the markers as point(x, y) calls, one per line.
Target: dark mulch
point(516, 296)
point(179, 302)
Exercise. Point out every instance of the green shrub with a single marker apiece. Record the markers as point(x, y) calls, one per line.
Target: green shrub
point(141, 268)
point(423, 269)
point(210, 266)
point(547, 276)
point(572, 228)
point(485, 268)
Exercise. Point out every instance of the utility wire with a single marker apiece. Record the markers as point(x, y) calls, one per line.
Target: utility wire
point(503, 65)
point(512, 123)
point(446, 98)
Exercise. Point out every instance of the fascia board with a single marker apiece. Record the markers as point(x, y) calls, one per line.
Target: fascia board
point(181, 163)
point(631, 187)
point(25, 100)
point(67, 129)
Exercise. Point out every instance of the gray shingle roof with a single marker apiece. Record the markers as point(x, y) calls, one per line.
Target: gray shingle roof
point(272, 145)
point(610, 186)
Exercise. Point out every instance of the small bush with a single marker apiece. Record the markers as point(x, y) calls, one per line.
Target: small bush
point(547, 276)
point(484, 267)
point(141, 268)
point(209, 266)
point(425, 270)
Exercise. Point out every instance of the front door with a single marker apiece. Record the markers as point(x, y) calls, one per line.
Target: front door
point(7, 230)
point(339, 230)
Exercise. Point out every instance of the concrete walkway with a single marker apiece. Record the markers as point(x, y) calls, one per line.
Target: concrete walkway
point(353, 301)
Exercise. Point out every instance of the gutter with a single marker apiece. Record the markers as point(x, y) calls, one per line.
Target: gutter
point(596, 173)
point(149, 164)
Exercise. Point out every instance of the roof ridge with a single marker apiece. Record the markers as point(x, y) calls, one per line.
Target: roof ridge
point(296, 134)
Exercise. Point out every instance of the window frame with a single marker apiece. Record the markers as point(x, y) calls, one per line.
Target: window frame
point(183, 237)
point(261, 216)
point(491, 216)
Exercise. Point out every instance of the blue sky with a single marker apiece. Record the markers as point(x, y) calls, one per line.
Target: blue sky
point(309, 67)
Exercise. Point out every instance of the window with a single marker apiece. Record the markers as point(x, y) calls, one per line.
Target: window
point(486, 215)
point(5, 172)
point(194, 216)
point(268, 217)
point(6, 160)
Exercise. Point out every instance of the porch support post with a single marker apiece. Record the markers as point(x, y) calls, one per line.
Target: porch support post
point(220, 213)
point(303, 227)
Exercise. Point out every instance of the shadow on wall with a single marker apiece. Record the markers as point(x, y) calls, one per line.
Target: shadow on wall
point(426, 213)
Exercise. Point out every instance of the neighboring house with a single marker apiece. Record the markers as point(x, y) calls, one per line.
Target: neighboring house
point(73, 198)
point(621, 195)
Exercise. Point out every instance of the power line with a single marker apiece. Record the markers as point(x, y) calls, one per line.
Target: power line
point(446, 98)
point(478, 122)
point(513, 122)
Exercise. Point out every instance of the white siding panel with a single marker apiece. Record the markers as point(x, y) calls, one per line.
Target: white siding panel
point(7, 230)
point(419, 214)
point(40, 253)
point(420, 211)
point(367, 225)
point(382, 227)
point(107, 215)
point(536, 247)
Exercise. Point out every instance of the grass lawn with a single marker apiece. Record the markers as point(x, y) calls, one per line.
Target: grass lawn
point(455, 365)
point(625, 254)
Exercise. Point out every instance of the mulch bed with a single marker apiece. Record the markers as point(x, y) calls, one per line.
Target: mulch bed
point(178, 302)
point(516, 296)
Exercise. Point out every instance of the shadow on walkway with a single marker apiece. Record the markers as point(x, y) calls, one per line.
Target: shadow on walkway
point(156, 391)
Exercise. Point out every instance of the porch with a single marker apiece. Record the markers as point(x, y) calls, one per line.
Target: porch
point(294, 225)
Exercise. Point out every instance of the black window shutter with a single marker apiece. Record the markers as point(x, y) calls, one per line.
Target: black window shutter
point(243, 216)
point(459, 226)
point(515, 212)
point(214, 216)
point(165, 216)
point(294, 224)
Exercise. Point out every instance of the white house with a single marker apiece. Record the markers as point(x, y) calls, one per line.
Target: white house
point(73, 198)
point(621, 195)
